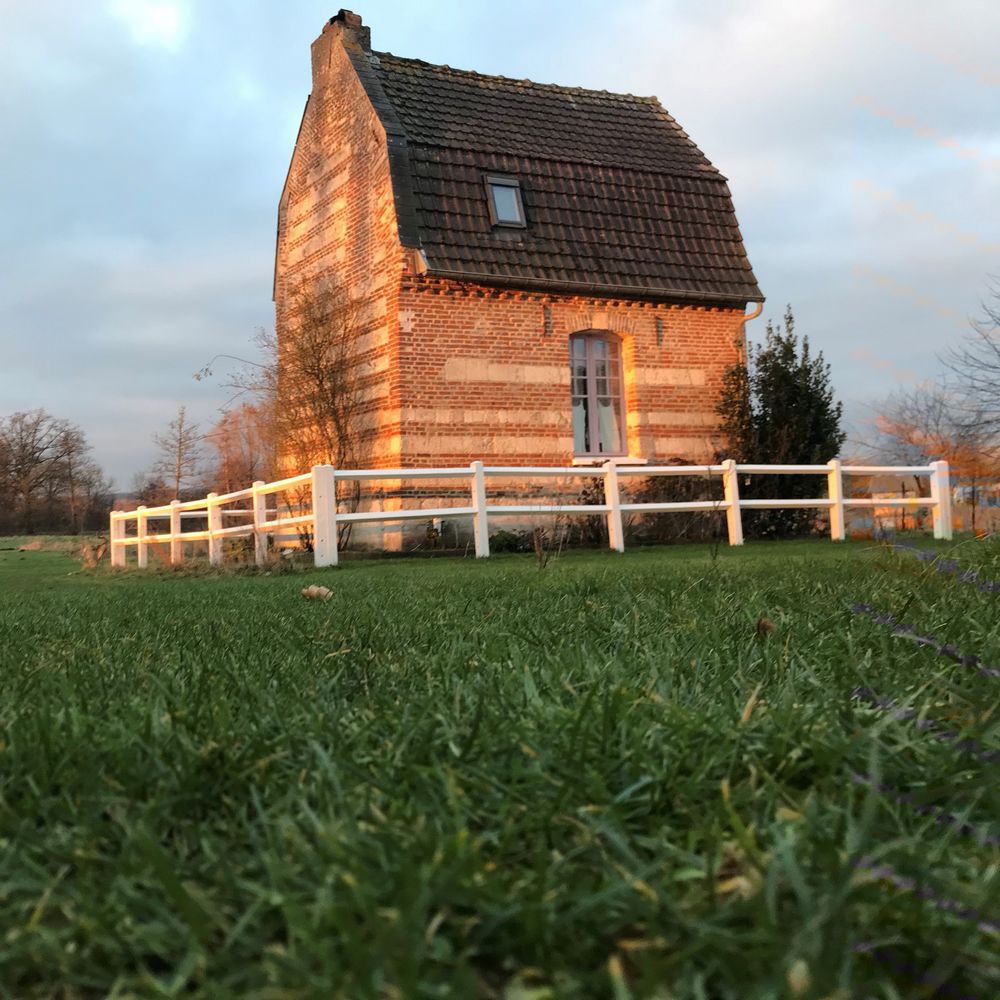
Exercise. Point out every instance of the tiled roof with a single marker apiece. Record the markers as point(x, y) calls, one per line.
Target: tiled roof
point(618, 198)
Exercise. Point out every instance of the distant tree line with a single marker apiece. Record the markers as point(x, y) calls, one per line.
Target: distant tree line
point(48, 480)
point(51, 484)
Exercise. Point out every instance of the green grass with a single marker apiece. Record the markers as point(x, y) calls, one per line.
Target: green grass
point(475, 779)
point(51, 568)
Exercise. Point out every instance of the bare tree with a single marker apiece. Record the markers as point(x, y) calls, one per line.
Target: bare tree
point(319, 377)
point(48, 481)
point(33, 443)
point(245, 445)
point(81, 481)
point(310, 381)
point(149, 489)
point(309, 386)
point(976, 362)
point(180, 455)
point(95, 497)
point(936, 421)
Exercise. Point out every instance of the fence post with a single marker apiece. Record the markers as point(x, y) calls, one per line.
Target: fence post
point(941, 495)
point(835, 491)
point(214, 525)
point(117, 535)
point(612, 497)
point(480, 520)
point(260, 538)
point(731, 487)
point(324, 513)
point(142, 552)
point(176, 544)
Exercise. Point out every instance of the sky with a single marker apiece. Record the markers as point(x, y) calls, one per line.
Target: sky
point(144, 143)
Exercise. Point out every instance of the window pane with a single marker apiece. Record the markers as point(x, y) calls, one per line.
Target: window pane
point(600, 373)
point(610, 425)
point(506, 203)
point(581, 430)
point(596, 395)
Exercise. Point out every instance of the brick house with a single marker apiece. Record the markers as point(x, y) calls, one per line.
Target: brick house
point(548, 275)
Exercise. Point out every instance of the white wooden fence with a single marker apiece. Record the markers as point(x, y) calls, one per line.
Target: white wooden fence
point(259, 522)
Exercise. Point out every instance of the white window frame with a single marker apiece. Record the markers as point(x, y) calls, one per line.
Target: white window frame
point(617, 449)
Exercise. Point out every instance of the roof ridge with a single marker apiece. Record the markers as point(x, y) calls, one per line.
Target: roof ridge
point(525, 82)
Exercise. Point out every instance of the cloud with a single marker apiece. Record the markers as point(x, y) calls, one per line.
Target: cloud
point(158, 23)
point(146, 150)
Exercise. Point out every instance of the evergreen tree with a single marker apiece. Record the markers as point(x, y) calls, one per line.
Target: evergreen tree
point(777, 408)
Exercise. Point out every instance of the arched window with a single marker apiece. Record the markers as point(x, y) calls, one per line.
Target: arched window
point(598, 396)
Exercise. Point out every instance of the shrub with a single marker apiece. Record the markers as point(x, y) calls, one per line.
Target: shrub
point(777, 408)
point(679, 526)
point(510, 541)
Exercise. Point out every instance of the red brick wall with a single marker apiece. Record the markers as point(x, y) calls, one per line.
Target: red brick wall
point(484, 375)
point(336, 220)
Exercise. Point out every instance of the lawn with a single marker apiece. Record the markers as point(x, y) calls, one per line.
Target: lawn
point(481, 780)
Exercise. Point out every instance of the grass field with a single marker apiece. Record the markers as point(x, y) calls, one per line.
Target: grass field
point(480, 780)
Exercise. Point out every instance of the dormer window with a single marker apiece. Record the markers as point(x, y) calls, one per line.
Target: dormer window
point(504, 197)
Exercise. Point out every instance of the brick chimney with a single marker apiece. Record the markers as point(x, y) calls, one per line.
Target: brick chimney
point(346, 29)
point(352, 30)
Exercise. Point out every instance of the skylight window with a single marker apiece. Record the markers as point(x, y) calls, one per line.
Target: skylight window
point(506, 207)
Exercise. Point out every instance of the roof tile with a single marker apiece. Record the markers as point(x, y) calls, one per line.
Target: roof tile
point(616, 194)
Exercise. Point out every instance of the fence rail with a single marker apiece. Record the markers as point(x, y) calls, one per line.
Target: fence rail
point(323, 519)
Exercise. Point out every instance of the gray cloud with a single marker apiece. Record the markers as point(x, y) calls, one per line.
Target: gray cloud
point(146, 142)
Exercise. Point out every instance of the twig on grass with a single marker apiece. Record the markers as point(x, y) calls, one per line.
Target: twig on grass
point(941, 816)
point(950, 566)
point(940, 733)
point(885, 957)
point(886, 873)
point(906, 631)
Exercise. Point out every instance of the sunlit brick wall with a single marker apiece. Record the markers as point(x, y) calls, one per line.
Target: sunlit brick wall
point(485, 373)
point(336, 219)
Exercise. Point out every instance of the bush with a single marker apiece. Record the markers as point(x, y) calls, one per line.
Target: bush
point(510, 541)
point(680, 526)
point(777, 408)
point(588, 530)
